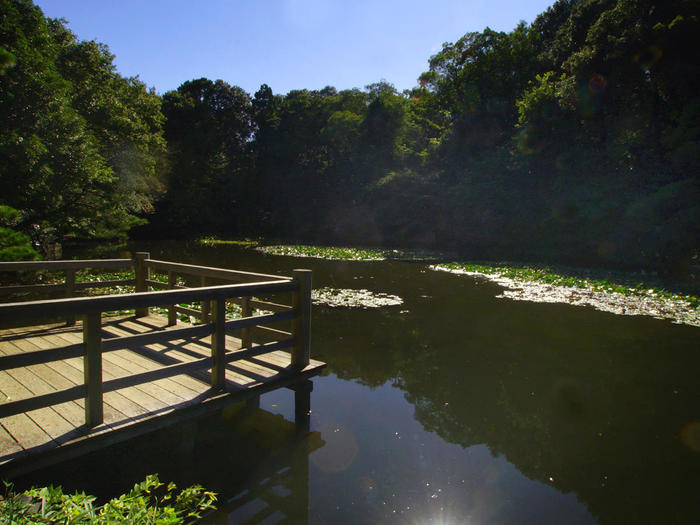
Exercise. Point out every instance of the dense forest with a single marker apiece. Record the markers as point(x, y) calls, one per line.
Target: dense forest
point(574, 139)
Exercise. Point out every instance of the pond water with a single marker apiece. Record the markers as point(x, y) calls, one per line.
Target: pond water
point(453, 407)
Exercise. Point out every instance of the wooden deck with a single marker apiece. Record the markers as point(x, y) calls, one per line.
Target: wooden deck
point(58, 432)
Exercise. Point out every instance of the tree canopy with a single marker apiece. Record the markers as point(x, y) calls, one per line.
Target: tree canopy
point(571, 139)
point(80, 145)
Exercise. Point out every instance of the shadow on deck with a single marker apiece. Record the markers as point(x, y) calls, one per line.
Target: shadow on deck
point(59, 431)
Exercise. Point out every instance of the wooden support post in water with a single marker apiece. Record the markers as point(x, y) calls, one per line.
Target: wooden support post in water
point(246, 333)
point(92, 368)
point(301, 326)
point(300, 456)
point(302, 405)
point(70, 291)
point(142, 273)
point(218, 344)
point(172, 314)
point(206, 312)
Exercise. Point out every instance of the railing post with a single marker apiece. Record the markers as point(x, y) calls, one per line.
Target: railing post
point(172, 314)
point(246, 333)
point(142, 273)
point(70, 291)
point(301, 326)
point(92, 368)
point(218, 344)
point(205, 317)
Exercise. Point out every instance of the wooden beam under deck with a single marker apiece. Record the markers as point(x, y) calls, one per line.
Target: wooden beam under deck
point(43, 436)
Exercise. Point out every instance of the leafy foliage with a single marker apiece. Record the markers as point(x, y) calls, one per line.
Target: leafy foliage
point(573, 139)
point(14, 245)
point(208, 129)
point(150, 501)
point(80, 144)
point(566, 140)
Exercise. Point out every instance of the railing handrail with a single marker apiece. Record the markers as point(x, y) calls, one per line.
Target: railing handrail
point(46, 309)
point(207, 271)
point(91, 309)
point(70, 266)
point(65, 264)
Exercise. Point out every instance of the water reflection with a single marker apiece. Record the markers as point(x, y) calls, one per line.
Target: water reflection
point(403, 474)
point(576, 399)
point(257, 462)
point(457, 406)
point(277, 488)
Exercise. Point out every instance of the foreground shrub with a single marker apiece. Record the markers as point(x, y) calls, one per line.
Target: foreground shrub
point(150, 501)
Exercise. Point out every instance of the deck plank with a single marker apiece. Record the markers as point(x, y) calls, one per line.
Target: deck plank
point(147, 356)
point(45, 382)
point(26, 432)
point(59, 423)
point(8, 444)
point(50, 420)
point(24, 436)
point(135, 362)
point(42, 379)
point(191, 350)
point(134, 401)
point(149, 396)
point(117, 408)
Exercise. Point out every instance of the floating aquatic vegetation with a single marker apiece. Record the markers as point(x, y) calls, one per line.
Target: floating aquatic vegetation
point(527, 284)
point(351, 254)
point(213, 241)
point(324, 252)
point(349, 298)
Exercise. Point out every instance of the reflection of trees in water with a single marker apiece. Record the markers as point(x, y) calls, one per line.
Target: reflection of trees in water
point(593, 401)
point(370, 355)
point(600, 420)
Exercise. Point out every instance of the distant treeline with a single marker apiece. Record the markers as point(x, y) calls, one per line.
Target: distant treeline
point(574, 139)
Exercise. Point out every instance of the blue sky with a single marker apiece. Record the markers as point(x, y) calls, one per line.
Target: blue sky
point(287, 44)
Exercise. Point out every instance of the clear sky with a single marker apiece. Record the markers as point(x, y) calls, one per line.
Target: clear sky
point(287, 44)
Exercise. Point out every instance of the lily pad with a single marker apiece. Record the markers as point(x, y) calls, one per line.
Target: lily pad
point(349, 298)
point(538, 287)
point(351, 254)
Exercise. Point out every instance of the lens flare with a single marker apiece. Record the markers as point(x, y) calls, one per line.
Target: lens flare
point(338, 453)
point(690, 436)
point(597, 84)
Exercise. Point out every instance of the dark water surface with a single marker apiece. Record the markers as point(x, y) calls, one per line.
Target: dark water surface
point(455, 407)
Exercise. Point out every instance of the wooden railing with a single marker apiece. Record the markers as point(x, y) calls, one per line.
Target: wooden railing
point(213, 315)
point(69, 268)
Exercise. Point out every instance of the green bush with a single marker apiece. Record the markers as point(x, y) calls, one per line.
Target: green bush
point(150, 501)
point(14, 245)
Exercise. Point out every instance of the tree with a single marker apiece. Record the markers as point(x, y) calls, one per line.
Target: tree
point(58, 156)
point(123, 116)
point(383, 130)
point(208, 129)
